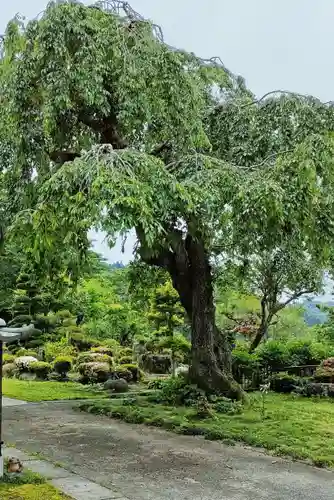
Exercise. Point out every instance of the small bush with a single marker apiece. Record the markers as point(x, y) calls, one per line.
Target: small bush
point(136, 373)
point(328, 363)
point(94, 372)
point(108, 351)
point(125, 360)
point(273, 354)
point(122, 372)
point(311, 389)
point(246, 365)
point(26, 352)
point(81, 342)
point(156, 384)
point(53, 350)
point(227, 406)
point(177, 392)
point(91, 357)
point(324, 374)
point(10, 370)
point(284, 382)
point(40, 369)
point(8, 358)
point(62, 365)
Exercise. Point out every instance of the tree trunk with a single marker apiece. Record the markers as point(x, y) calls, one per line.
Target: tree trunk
point(211, 365)
point(190, 271)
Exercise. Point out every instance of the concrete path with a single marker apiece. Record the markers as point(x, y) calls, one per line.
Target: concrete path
point(140, 463)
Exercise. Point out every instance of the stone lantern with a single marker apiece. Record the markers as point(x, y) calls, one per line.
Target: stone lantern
point(8, 335)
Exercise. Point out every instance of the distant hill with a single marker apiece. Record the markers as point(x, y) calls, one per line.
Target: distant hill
point(117, 265)
point(313, 315)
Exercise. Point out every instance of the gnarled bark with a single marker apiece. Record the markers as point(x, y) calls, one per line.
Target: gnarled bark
point(190, 271)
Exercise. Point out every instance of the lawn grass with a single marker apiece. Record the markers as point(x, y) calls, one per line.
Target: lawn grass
point(48, 391)
point(31, 492)
point(28, 486)
point(291, 426)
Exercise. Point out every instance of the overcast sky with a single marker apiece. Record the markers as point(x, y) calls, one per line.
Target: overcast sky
point(273, 44)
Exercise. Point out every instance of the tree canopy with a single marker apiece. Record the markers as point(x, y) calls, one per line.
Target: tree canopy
point(105, 125)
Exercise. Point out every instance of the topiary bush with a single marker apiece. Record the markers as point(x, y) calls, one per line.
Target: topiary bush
point(108, 351)
point(94, 372)
point(53, 350)
point(10, 370)
point(82, 343)
point(135, 371)
point(227, 406)
point(8, 358)
point(62, 365)
point(40, 369)
point(91, 357)
point(324, 374)
point(122, 372)
point(26, 352)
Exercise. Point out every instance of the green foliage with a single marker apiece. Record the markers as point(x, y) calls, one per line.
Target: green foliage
point(90, 357)
point(94, 372)
point(124, 372)
point(40, 368)
point(8, 358)
point(62, 365)
point(136, 374)
point(82, 343)
point(125, 360)
point(156, 363)
point(10, 370)
point(53, 350)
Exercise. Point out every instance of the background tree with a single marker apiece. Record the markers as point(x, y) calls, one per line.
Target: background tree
point(149, 145)
point(168, 314)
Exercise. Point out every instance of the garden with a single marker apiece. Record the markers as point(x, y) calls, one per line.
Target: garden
point(228, 200)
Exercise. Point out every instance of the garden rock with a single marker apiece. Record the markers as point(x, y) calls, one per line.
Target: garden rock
point(23, 362)
point(116, 385)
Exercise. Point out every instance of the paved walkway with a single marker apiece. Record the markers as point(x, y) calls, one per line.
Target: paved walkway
point(137, 462)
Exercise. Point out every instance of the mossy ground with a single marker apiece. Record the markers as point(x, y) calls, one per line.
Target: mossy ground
point(292, 426)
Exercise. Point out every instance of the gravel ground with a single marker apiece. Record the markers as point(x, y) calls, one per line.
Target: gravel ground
point(152, 464)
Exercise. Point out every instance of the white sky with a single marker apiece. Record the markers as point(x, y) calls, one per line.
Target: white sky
point(274, 44)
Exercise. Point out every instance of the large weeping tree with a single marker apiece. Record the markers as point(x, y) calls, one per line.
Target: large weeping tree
point(111, 128)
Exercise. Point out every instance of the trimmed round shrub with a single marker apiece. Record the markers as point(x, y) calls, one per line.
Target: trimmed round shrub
point(8, 358)
point(122, 372)
point(26, 352)
point(94, 372)
point(108, 351)
point(92, 357)
point(20, 320)
point(156, 363)
point(62, 365)
point(328, 363)
point(81, 342)
point(40, 369)
point(134, 370)
point(285, 383)
point(116, 385)
point(10, 370)
point(324, 374)
point(125, 360)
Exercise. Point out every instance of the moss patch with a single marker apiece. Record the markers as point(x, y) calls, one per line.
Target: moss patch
point(292, 426)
